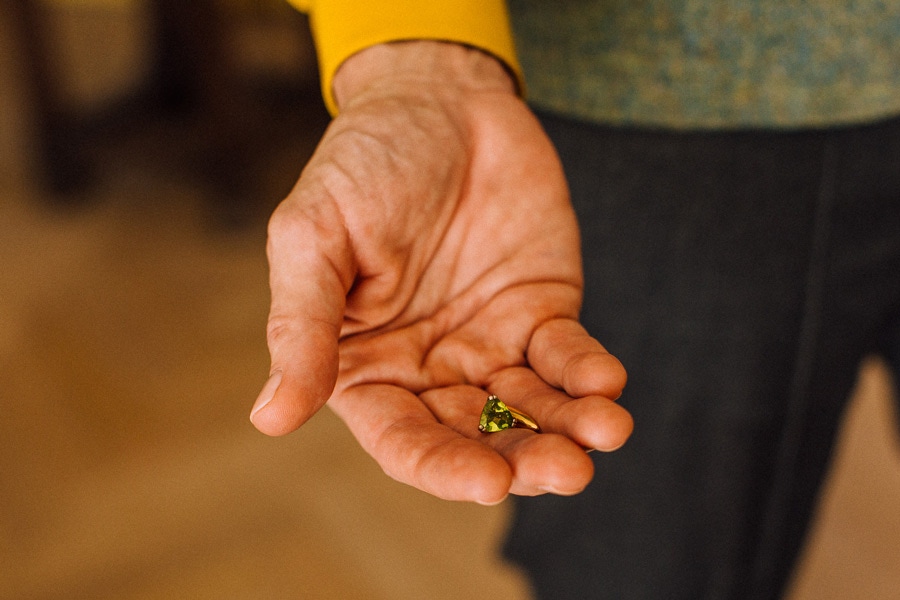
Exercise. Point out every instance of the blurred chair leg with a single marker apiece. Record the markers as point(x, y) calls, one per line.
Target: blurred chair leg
point(195, 73)
point(60, 159)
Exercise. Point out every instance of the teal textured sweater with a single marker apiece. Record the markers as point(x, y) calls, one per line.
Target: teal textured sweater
point(689, 64)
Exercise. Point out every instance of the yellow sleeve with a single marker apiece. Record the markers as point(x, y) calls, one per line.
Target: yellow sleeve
point(343, 27)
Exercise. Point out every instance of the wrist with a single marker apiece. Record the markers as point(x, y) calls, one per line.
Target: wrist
point(420, 65)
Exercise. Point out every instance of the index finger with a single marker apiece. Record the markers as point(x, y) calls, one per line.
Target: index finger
point(403, 436)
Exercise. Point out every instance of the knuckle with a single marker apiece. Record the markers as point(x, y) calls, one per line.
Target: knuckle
point(278, 329)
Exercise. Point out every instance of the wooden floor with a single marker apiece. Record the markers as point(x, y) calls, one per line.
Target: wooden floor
point(131, 348)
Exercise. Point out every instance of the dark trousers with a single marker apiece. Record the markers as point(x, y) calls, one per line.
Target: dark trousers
point(740, 277)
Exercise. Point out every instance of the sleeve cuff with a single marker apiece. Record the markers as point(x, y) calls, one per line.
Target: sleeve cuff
point(342, 28)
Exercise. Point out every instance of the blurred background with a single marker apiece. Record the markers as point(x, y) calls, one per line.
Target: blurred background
point(143, 144)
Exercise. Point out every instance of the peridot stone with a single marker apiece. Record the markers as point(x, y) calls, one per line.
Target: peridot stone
point(495, 416)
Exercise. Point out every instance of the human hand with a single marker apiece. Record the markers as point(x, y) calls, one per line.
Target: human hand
point(427, 255)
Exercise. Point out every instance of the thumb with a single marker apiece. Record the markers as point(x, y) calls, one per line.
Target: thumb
point(310, 271)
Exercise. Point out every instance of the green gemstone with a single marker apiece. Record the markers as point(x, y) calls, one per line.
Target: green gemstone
point(495, 416)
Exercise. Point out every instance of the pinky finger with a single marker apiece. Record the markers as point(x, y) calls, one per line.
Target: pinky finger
point(564, 355)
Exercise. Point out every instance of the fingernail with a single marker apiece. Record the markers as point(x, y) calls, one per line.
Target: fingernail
point(494, 503)
point(267, 393)
point(549, 489)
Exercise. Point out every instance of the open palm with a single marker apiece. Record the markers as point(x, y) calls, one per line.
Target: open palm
point(427, 256)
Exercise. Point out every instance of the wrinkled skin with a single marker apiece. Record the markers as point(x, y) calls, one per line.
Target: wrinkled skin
point(429, 255)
